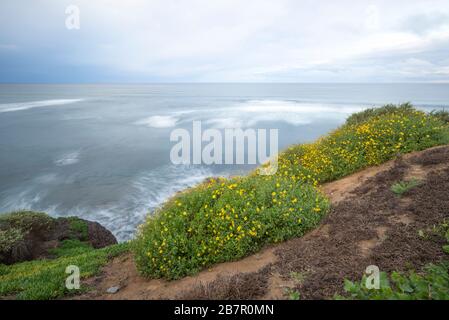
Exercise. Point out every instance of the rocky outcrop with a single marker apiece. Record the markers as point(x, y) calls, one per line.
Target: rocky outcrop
point(30, 235)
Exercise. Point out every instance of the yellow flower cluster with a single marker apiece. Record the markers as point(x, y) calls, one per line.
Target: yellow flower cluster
point(223, 220)
point(356, 146)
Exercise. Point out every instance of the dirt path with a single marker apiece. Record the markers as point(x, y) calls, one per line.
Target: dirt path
point(367, 225)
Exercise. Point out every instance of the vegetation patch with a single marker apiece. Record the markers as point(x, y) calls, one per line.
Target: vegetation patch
point(45, 279)
point(431, 284)
point(80, 227)
point(15, 226)
point(225, 220)
point(70, 247)
point(443, 115)
point(368, 138)
point(401, 187)
point(25, 221)
point(9, 238)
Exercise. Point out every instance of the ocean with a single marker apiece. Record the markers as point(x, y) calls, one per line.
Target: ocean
point(102, 152)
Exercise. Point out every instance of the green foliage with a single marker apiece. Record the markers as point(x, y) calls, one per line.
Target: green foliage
point(381, 136)
point(401, 187)
point(442, 115)
point(225, 220)
point(432, 284)
point(70, 248)
point(45, 279)
point(15, 226)
point(368, 114)
point(25, 220)
point(292, 294)
point(80, 227)
point(8, 238)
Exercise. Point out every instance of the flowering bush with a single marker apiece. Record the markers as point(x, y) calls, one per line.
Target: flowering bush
point(226, 219)
point(359, 144)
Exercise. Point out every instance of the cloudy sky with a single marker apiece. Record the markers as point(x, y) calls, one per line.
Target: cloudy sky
point(225, 41)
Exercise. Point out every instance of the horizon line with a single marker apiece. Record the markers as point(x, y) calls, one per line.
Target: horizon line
point(219, 82)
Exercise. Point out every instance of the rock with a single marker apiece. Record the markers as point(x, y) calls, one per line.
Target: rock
point(113, 290)
point(28, 235)
point(99, 236)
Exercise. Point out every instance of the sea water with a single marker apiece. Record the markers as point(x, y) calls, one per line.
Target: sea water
point(102, 152)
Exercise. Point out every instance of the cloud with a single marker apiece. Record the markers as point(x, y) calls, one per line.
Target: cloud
point(226, 40)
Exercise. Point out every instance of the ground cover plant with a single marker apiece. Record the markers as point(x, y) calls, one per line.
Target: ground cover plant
point(226, 219)
point(368, 138)
point(45, 279)
point(432, 283)
point(401, 187)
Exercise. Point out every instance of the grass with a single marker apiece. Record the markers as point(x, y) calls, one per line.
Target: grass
point(226, 219)
point(70, 247)
point(45, 279)
point(401, 187)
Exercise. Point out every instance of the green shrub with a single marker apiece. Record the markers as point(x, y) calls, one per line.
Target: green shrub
point(9, 237)
point(442, 115)
point(367, 114)
point(402, 187)
point(15, 226)
point(80, 227)
point(224, 220)
point(381, 136)
point(25, 220)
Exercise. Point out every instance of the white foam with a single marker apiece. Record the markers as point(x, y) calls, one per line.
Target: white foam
point(142, 195)
point(288, 107)
point(250, 113)
point(225, 123)
point(68, 159)
point(158, 121)
point(9, 107)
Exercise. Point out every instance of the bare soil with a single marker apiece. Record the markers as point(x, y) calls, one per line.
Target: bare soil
point(368, 225)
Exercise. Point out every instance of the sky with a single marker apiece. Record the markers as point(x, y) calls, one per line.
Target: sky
point(225, 41)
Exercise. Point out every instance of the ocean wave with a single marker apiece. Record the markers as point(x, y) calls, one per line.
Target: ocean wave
point(68, 159)
point(146, 193)
point(141, 196)
point(18, 106)
point(158, 121)
point(252, 112)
